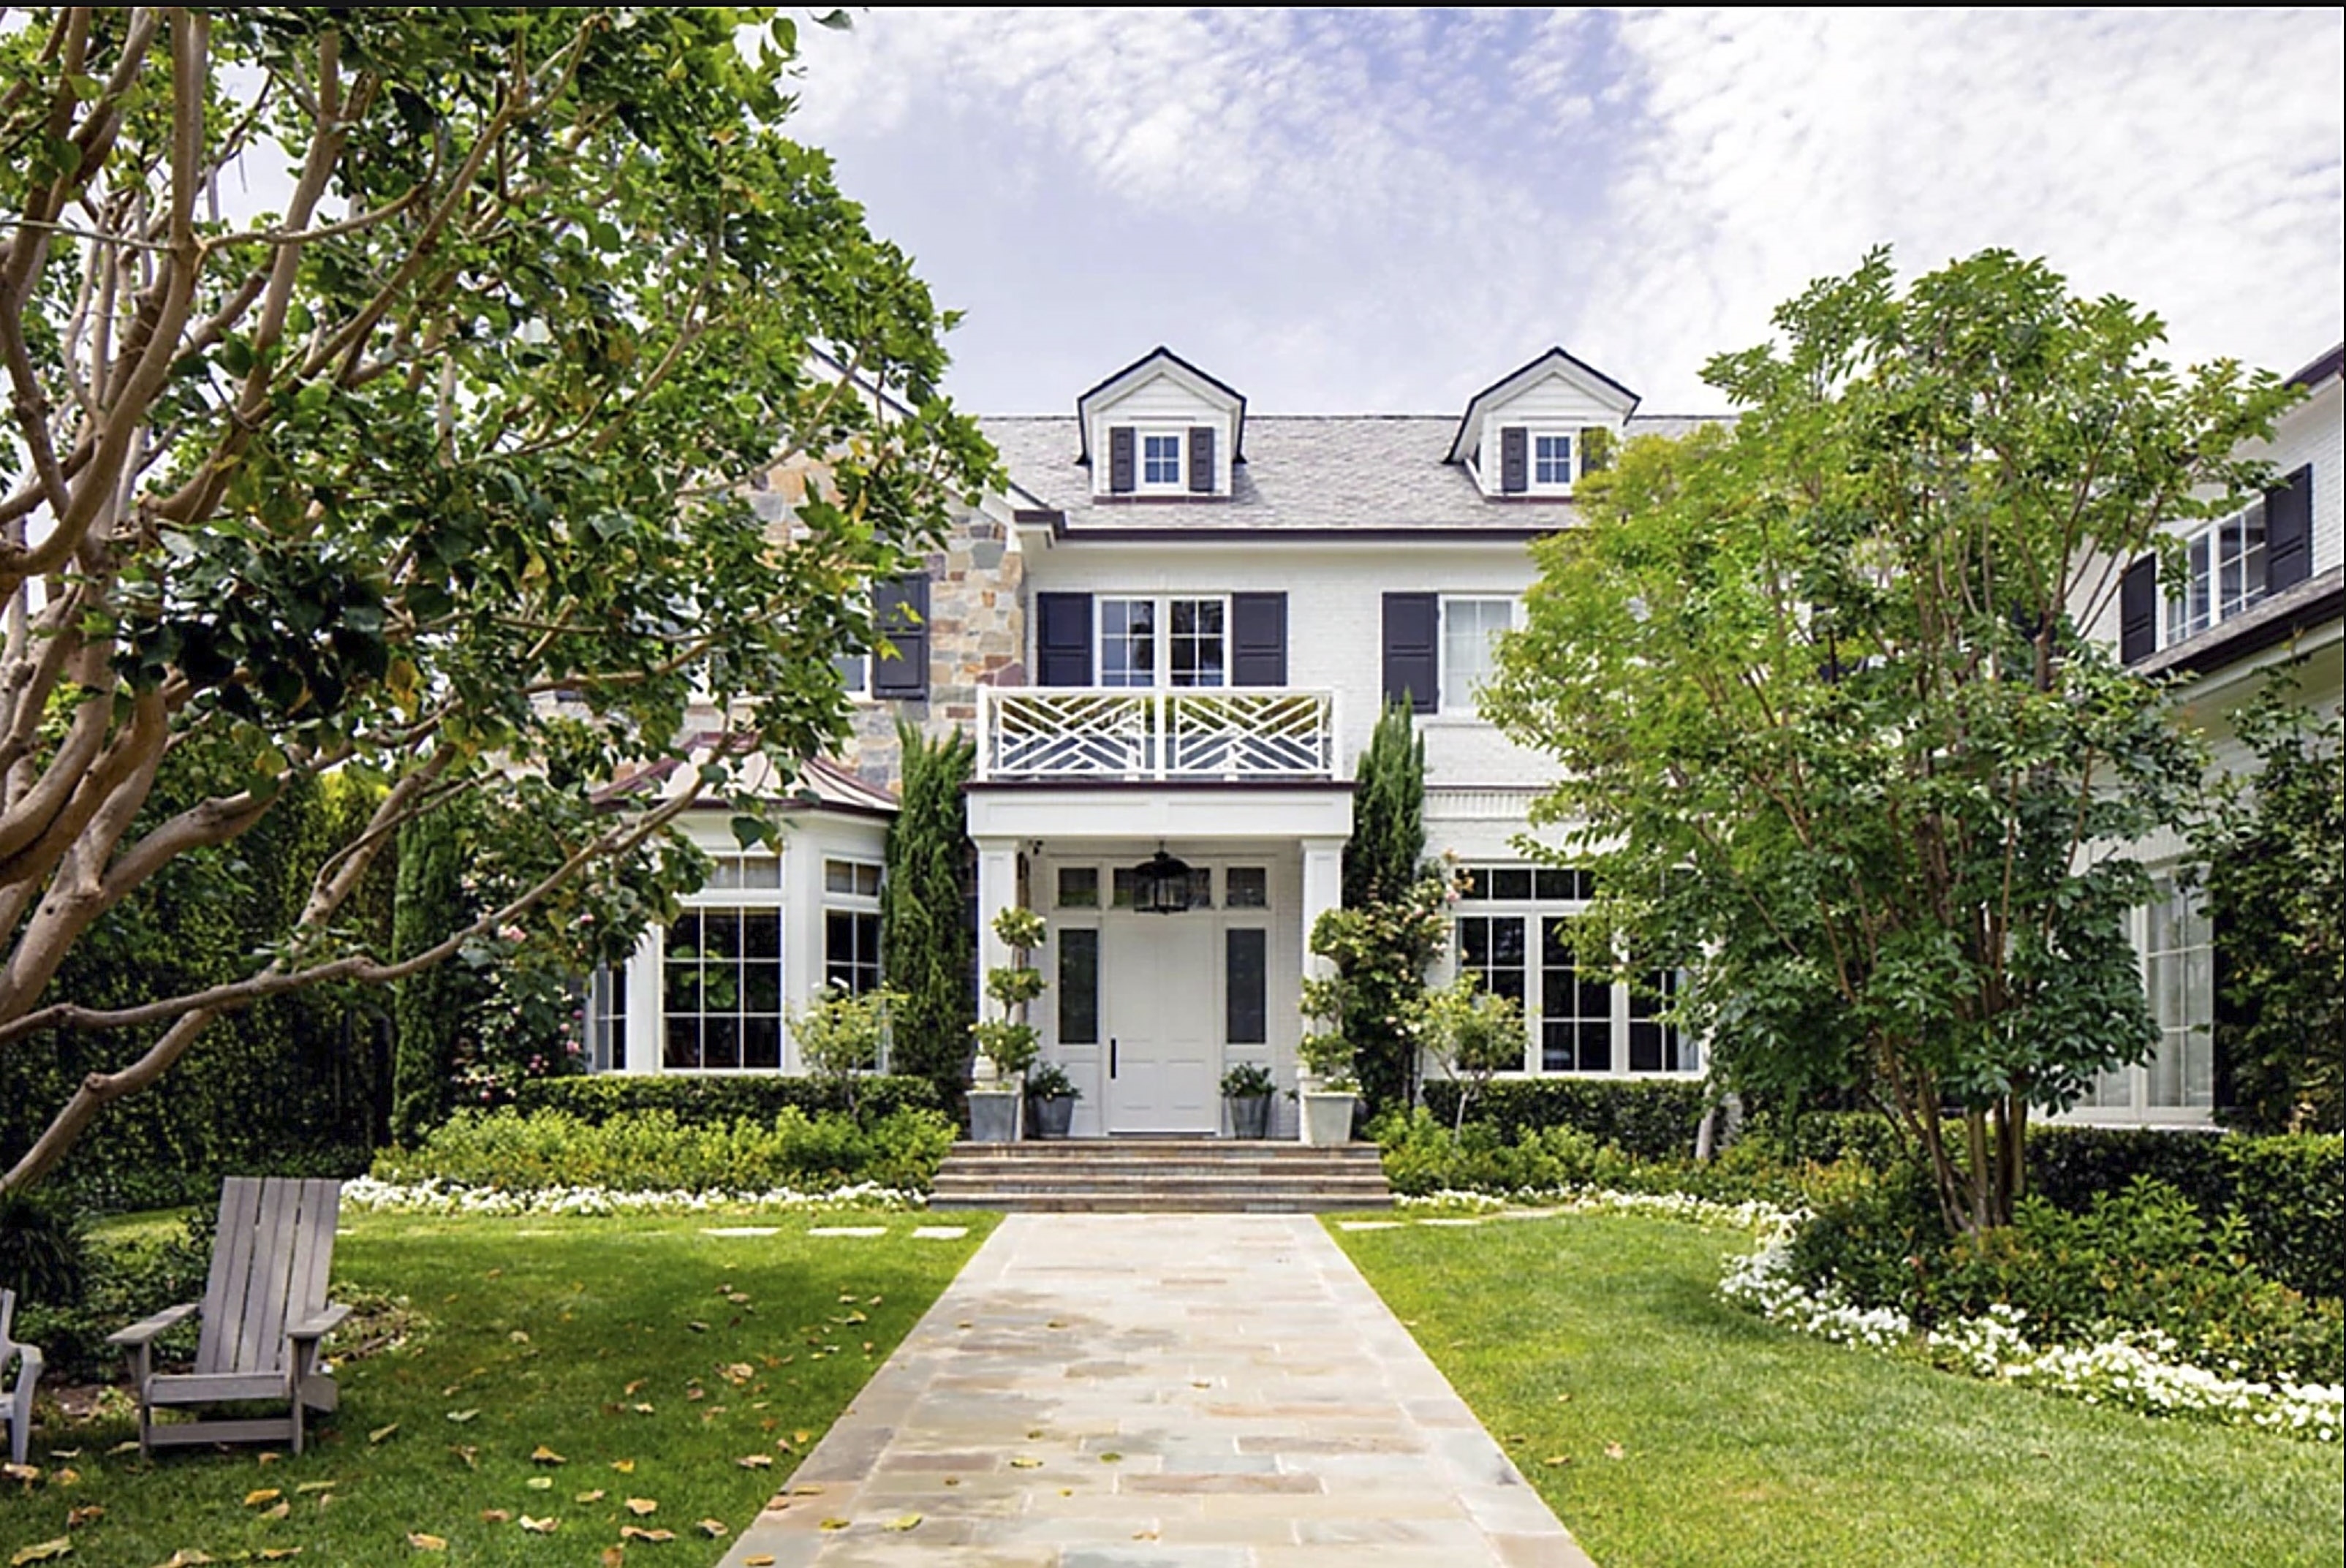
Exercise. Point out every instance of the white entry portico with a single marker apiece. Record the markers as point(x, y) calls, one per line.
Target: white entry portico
point(1147, 1010)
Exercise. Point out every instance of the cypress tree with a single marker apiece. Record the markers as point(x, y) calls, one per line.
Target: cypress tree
point(1388, 813)
point(926, 945)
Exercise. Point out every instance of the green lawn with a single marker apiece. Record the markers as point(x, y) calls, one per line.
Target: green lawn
point(1740, 1442)
point(635, 1343)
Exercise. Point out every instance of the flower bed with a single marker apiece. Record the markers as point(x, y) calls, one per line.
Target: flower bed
point(435, 1196)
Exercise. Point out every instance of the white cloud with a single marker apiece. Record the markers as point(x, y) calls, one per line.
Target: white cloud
point(1342, 211)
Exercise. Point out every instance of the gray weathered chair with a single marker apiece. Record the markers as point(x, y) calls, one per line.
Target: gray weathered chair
point(17, 1402)
point(264, 1312)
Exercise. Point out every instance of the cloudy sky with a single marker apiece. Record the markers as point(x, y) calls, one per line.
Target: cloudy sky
point(1385, 210)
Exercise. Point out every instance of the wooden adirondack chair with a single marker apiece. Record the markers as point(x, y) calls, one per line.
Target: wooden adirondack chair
point(17, 1402)
point(264, 1311)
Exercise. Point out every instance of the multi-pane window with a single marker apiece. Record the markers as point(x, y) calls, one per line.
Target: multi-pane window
point(851, 926)
point(607, 1018)
point(1470, 640)
point(1513, 931)
point(1079, 887)
point(1199, 641)
point(723, 991)
point(1246, 888)
point(2179, 973)
point(1551, 460)
point(1127, 635)
point(1160, 460)
point(2226, 573)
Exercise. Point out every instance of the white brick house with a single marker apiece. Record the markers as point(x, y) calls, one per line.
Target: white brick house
point(1173, 632)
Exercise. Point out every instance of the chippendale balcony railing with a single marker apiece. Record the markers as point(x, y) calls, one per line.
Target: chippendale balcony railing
point(1181, 733)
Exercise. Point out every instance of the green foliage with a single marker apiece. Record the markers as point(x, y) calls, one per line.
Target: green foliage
point(1010, 1046)
point(1654, 1121)
point(1422, 1156)
point(1020, 929)
point(532, 389)
point(1050, 1082)
point(925, 939)
point(839, 1036)
point(117, 1282)
point(428, 1008)
point(1387, 840)
point(1473, 1034)
point(1375, 999)
point(1825, 727)
point(706, 1101)
point(2275, 849)
point(1009, 1042)
point(44, 1250)
point(653, 1151)
point(2142, 1258)
point(1248, 1081)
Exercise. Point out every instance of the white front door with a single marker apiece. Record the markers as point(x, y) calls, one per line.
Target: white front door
point(1159, 1009)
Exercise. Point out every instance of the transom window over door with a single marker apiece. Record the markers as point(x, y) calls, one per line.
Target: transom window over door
point(1176, 641)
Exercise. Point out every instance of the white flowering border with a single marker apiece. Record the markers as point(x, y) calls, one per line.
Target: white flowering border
point(436, 1196)
point(1749, 1215)
point(2137, 1369)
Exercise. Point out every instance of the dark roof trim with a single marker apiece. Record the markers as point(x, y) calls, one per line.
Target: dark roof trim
point(1458, 442)
point(1083, 425)
point(2298, 610)
point(2327, 368)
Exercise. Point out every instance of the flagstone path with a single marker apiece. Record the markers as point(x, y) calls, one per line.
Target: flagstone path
point(1158, 1391)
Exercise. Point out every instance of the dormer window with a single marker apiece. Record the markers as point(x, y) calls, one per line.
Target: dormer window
point(1551, 463)
point(1160, 463)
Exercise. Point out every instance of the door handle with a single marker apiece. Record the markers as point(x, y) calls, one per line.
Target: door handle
point(1111, 1055)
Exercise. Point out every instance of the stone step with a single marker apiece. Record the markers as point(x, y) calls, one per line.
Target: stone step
point(1188, 1183)
point(1116, 1164)
point(1158, 1202)
point(1162, 1149)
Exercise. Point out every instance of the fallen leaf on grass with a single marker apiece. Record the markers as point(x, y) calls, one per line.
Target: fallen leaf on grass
point(624, 1466)
point(422, 1543)
point(904, 1522)
point(597, 1495)
point(642, 1506)
point(715, 1529)
point(64, 1453)
point(89, 1513)
point(698, 1326)
point(266, 1458)
point(541, 1483)
point(469, 1453)
point(43, 1551)
point(461, 1417)
point(380, 1433)
point(184, 1558)
point(756, 1461)
point(309, 1486)
point(1557, 1460)
point(130, 1447)
point(279, 1511)
point(540, 1526)
point(641, 1409)
point(545, 1455)
point(497, 1516)
point(631, 1533)
point(1615, 1450)
point(276, 1554)
point(802, 1438)
point(615, 1557)
point(26, 1473)
point(266, 1494)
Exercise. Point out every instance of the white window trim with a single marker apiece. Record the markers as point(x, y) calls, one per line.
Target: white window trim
point(2138, 1112)
point(2172, 602)
point(1141, 483)
point(1160, 677)
point(1533, 911)
point(720, 901)
point(1534, 485)
point(834, 899)
point(1445, 711)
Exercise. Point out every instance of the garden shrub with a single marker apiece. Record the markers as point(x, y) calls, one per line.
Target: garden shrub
point(120, 1281)
point(1654, 1121)
point(44, 1250)
point(695, 1100)
point(654, 1150)
point(2290, 1192)
point(2071, 1166)
point(1823, 1137)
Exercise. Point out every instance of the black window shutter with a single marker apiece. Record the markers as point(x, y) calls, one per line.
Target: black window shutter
point(2288, 531)
point(1119, 460)
point(1258, 639)
point(1514, 459)
point(1063, 640)
point(2139, 611)
point(901, 611)
point(1412, 635)
point(1201, 460)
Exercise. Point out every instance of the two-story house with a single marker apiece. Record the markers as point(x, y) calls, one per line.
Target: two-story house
point(1171, 638)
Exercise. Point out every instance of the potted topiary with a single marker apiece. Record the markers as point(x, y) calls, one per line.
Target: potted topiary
point(1053, 1096)
point(1006, 1042)
point(1246, 1090)
point(1326, 1089)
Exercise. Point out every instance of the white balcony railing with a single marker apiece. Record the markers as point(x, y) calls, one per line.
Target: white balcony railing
point(1156, 733)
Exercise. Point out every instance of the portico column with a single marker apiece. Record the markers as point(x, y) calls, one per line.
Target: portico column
point(997, 890)
point(1323, 889)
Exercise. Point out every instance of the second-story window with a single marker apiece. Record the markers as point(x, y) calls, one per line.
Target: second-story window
point(1160, 460)
point(1194, 649)
point(2226, 573)
point(1470, 639)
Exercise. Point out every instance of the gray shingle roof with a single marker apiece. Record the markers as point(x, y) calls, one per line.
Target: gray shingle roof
point(1303, 473)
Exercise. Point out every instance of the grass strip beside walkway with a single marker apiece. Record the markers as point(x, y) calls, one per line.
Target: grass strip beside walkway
point(651, 1357)
point(1666, 1426)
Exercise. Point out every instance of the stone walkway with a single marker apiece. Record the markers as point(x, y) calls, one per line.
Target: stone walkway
point(1158, 1391)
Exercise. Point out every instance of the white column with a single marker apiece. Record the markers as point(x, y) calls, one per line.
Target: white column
point(645, 1025)
point(1323, 889)
point(997, 890)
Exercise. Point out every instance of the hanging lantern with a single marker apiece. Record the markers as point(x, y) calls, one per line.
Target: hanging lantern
point(1160, 884)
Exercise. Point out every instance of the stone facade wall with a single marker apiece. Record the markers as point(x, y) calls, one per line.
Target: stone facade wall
point(977, 636)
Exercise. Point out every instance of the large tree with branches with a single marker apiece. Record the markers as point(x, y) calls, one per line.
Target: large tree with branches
point(1830, 728)
point(384, 387)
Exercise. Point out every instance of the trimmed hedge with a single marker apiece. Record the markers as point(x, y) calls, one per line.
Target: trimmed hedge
point(703, 1102)
point(2069, 1166)
point(1647, 1121)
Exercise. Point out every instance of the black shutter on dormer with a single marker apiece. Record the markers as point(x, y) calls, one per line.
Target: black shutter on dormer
point(1412, 663)
point(1063, 640)
point(1120, 477)
point(1258, 639)
point(2139, 611)
point(1201, 460)
point(2288, 531)
point(1514, 459)
point(901, 611)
